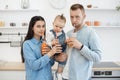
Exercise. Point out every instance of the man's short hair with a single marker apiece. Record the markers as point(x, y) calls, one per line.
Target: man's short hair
point(77, 6)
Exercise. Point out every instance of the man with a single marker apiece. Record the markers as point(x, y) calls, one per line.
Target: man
point(85, 47)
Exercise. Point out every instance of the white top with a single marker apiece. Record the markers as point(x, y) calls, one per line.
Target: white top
point(50, 37)
point(66, 68)
point(65, 73)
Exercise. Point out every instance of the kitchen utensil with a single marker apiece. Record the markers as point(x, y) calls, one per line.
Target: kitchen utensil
point(25, 4)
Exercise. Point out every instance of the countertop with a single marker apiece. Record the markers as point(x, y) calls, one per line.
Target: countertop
point(107, 66)
point(18, 66)
point(12, 66)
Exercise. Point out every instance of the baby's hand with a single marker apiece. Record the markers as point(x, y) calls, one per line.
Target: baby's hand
point(55, 41)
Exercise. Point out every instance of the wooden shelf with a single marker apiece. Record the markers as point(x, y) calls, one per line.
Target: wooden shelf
point(105, 26)
point(100, 9)
point(15, 27)
point(18, 10)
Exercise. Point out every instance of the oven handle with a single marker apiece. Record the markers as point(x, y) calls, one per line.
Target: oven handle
point(107, 77)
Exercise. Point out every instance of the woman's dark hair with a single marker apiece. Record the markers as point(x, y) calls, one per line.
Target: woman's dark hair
point(30, 32)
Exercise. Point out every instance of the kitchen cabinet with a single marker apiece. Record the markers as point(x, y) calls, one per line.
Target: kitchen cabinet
point(12, 75)
point(12, 71)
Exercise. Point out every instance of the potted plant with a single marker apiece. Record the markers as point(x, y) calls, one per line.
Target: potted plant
point(118, 7)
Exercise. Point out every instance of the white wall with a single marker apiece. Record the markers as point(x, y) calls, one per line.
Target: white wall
point(109, 36)
point(110, 41)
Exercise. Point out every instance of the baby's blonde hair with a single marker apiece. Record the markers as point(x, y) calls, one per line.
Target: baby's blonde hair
point(61, 17)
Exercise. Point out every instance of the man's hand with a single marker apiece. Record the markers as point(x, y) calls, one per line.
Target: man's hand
point(74, 43)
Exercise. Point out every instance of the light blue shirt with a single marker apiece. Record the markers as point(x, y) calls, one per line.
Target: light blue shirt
point(37, 67)
point(81, 61)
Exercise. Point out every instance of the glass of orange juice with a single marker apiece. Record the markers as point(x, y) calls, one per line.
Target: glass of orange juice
point(72, 36)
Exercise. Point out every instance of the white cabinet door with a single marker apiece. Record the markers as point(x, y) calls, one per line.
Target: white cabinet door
point(12, 75)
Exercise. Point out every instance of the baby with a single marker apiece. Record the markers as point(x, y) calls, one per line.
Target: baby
point(57, 36)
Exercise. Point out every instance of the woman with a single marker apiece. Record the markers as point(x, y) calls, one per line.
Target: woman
point(38, 66)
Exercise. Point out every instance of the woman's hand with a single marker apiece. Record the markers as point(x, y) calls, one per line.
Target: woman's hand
point(55, 49)
point(45, 50)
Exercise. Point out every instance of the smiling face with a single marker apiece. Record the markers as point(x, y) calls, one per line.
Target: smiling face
point(39, 29)
point(58, 25)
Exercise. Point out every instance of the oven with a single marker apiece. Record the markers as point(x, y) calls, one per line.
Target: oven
point(106, 71)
